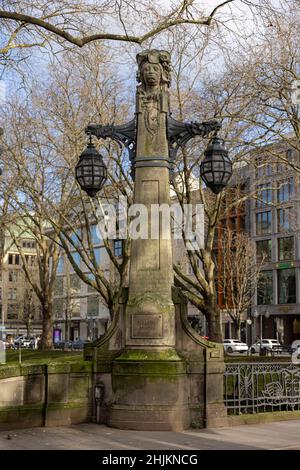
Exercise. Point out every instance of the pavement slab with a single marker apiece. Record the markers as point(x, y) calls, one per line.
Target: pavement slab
point(281, 435)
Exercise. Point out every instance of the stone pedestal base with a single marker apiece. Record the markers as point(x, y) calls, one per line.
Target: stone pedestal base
point(150, 391)
point(164, 389)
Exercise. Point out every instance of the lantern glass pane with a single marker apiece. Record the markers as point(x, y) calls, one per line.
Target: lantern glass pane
point(209, 177)
point(218, 165)
point(218, 176)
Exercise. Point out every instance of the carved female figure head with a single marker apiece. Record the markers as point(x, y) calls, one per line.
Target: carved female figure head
point(153, 68)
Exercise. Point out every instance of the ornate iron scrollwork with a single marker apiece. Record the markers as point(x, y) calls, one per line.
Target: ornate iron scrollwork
point(179, 133)
point(124, 134)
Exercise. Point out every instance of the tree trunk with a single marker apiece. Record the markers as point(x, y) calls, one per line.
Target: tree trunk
point(237, 330)
point(67, 336)
point(214, 323)
point(47, 334)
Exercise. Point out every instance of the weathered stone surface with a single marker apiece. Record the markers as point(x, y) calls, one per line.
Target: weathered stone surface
point(157, 372)
point(37, 399)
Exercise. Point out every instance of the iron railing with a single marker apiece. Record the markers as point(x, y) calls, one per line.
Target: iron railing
point(260, 387)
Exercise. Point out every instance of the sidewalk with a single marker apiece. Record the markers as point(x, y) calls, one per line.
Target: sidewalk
point(279, 436)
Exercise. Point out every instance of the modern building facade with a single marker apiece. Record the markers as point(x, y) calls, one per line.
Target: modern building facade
point(20, 312)
point(79, 311)
point(274, 220)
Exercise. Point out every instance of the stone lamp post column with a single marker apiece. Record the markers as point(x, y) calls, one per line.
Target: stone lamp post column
point(146, 357)
point(150, 320)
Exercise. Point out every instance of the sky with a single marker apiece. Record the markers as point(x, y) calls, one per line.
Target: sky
point(124, 54)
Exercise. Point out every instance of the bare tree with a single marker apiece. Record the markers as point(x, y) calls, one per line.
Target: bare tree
point(29, 305)
point(45, 138)
point(219, 97)
point(80, 23)
point(238, 275)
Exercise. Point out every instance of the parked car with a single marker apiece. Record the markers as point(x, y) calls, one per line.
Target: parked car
point(79, 343)
point(22, 341)
point(234, 345)
point(266, 345)
point(63, 344)
point(295, 347)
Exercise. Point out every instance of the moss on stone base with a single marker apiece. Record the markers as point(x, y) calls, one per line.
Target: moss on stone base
point(142, 363)
point(144, 355)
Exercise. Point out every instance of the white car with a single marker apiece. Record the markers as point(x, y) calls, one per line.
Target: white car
point(25, 342)
point(267, 345)
point(234, 345)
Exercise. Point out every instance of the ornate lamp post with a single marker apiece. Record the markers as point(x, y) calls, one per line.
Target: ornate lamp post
point(90, 171)
point(149, 377)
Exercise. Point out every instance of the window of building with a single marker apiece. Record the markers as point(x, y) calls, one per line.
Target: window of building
point(118, 247)
point(76, 258)
point(285, 248)
point(263, 223)
point(284, 219)
point(263, 168)
point(92, 306)
point(76, 237)
point(264, 250)
point(265, 288)
point(58, 309)
point(30, 260)
point(264, 196)
point(97, 255)
point(285, 190)
point(74, 307)
point(91, 289)
point(75, 283)
point(28, 244)
point(60, 266)
point(12, 311)
point(12, 294)
point(290, 154)
point(13, 276)
point(59, 286)
point(287, 286)
point(95, 234)
point(0, 293)
point(13, 259)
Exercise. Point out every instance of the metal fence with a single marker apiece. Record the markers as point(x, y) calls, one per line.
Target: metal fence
point(260, 387)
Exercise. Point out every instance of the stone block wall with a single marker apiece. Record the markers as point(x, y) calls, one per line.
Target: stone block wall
point(45, 395)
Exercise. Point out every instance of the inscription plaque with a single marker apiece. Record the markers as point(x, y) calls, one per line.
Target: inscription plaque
point(147, 325)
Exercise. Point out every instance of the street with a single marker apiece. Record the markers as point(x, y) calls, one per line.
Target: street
point(280, 436)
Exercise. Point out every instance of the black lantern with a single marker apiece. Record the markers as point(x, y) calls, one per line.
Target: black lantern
point(216, 168)
point(91, 171)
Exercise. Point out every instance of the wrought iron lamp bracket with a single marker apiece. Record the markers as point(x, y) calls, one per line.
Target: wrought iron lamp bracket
point(124, 134)
point(179, 133)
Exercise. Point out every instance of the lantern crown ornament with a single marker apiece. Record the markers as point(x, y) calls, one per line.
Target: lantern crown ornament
point(216, 168)
point(91, 171)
